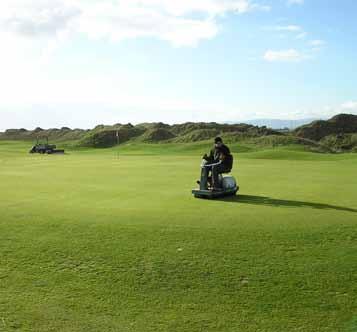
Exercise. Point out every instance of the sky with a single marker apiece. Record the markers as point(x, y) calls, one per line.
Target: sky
point(80, 63)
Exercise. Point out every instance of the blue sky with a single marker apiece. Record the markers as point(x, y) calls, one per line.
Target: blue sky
point(79, 63)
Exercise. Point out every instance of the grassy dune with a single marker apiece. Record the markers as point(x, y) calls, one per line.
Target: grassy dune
point(93, 242)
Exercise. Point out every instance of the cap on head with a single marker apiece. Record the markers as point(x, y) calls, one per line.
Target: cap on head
point(218, 140)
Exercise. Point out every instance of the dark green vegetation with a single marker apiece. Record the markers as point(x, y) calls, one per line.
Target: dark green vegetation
point(90, 242)
point(335, 135)
point(339, 133)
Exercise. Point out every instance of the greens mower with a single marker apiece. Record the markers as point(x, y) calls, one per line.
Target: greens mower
point(228, 185)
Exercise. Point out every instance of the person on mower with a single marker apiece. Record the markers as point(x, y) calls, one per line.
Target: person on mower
point(219, 161)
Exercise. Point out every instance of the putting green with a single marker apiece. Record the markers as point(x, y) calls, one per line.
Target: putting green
point(90, 242)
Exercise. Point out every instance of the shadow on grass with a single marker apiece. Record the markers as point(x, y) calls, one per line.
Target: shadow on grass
point(267, 201)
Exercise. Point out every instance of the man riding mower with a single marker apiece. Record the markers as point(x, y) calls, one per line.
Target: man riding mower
point(212, 183)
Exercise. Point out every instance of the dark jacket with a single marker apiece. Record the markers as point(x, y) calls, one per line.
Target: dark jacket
point(222, 154)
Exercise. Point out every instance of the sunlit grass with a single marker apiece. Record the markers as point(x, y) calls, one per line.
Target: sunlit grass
point(90, 241)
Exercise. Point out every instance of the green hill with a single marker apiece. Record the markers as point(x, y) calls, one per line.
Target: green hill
point(157, 135)
point(338, 133)
point(54, 134)
point(339, 124)
point(106, 136)
point(335, 135)
point(341, 142)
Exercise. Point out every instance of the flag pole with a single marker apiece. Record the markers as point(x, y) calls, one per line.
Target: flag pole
point(118, 142)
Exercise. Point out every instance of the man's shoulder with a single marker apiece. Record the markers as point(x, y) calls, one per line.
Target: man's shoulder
point(225, 149)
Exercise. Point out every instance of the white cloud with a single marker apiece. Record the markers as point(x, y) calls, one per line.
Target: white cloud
point(291, 28)
point(295, 2)
point(162, 19)
point(350, 105)
point(288, 28)
point(115, 23)
point(317, 43)
point(31, 30)
point(36, 18)
point(290, 55)
point(182, 23)
point(301, 35)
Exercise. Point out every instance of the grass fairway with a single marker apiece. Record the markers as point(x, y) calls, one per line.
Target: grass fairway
point(89, 242)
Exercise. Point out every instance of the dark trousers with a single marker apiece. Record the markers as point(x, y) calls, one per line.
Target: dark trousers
point(215, 171)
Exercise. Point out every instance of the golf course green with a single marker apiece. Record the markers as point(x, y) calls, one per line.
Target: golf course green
point(96, 240)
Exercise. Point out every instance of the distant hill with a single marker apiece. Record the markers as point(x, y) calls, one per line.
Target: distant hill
point(280, 123)
point(338, 134)
point(339, 124)
point(106, 136)
point(63, 134)
point(160, 132)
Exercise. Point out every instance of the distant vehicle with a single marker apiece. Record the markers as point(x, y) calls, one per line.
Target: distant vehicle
point(45, 148)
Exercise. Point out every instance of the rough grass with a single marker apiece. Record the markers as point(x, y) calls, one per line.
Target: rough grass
point(90, 242)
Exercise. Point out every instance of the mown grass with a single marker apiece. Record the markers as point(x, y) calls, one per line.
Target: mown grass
point(93, 242)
